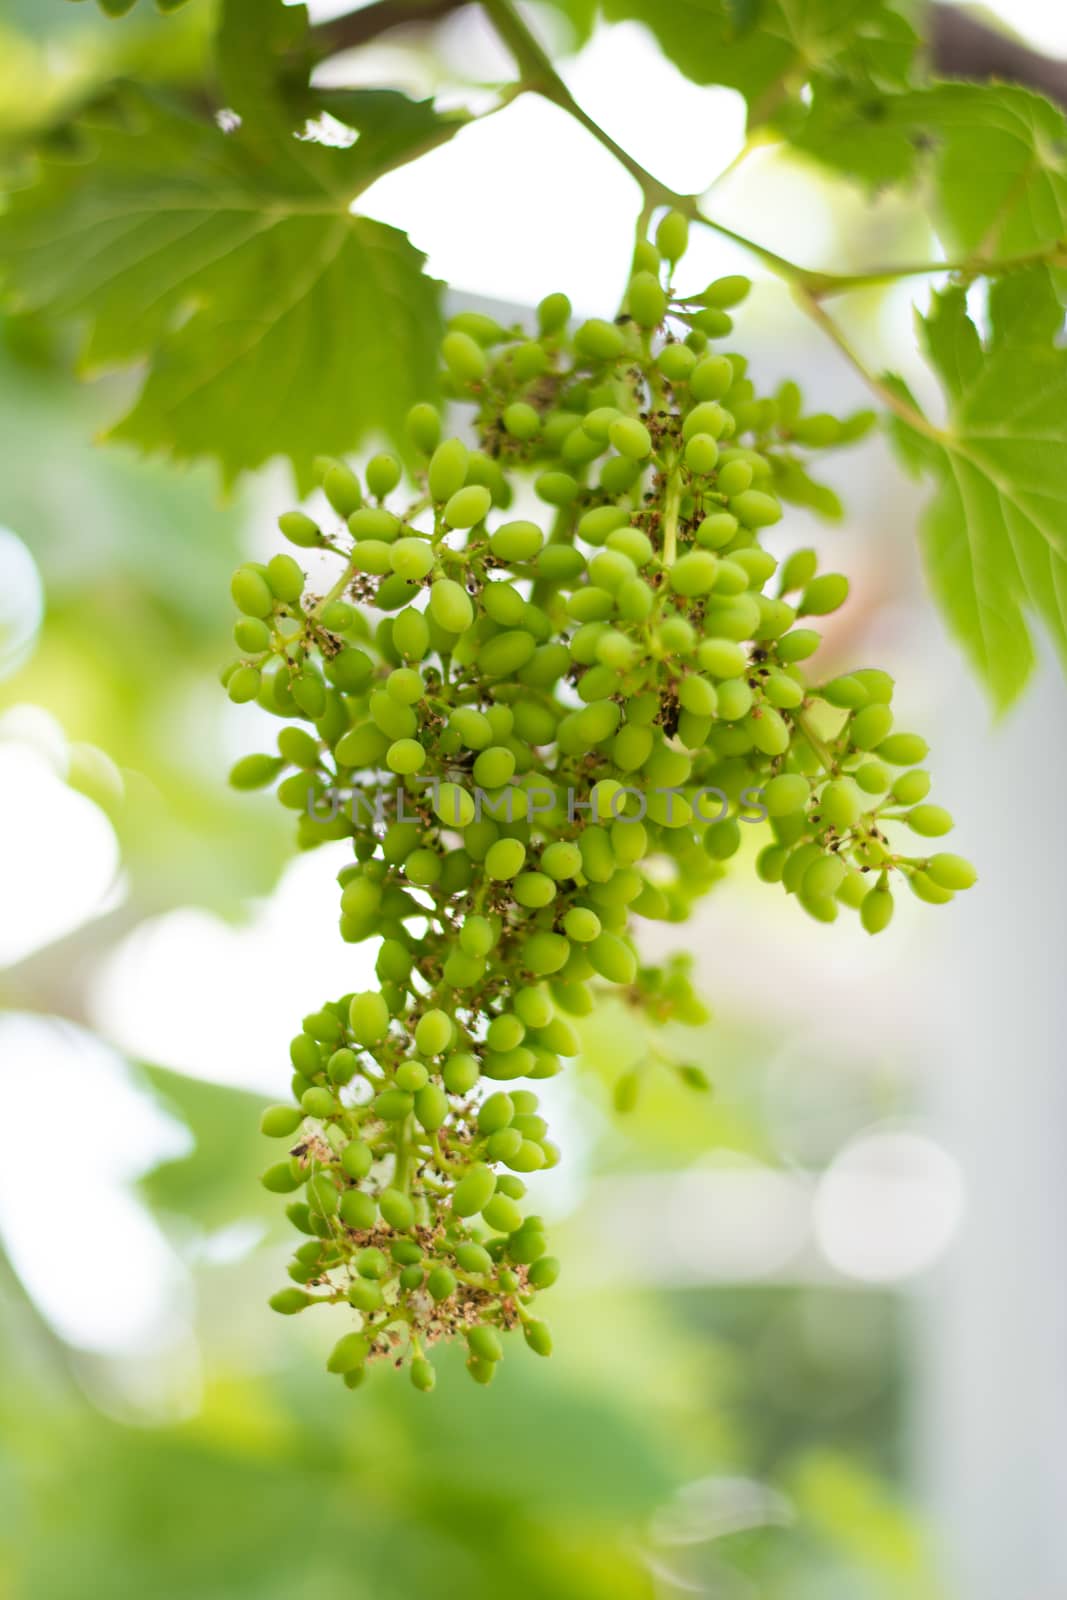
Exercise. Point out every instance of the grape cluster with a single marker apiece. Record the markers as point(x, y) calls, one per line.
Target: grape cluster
point(532, 734)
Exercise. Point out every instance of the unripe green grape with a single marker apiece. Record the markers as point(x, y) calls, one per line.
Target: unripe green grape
point(502, 1214)
point(757, 510)
point(924, 887)
point(786, 793)
point(701, 454)
point(405, 756)
point(561, 859)
point(285, 578)
point(929, 821)
point(374, 523)
point(646, 300)
point(342, 1066)
point(289, 1301)
point(485, 1350)
point(368, 1018)
point(468, 506)
point(412, 1076)
point(950, 872)
point(708, 417)
point(872, 777)
point(397, 1209)
point(727, 292)
point(494, 767)
point(278, 1122)
point(453, 805)
point(252, 635)
point(631, 438)
point(504, 1144)
point(357, 1159)
point(672, 236)
point(581, 924)
point(357, 1210)
point(405, 685)
point(504, 859)
point(372, 556)
point(342, 490)
point(911, 787)
point(553, 313)
point(393, 1105)
point(299, 747)
point(516, 541)
point(730, 578)
point(254, 772)
point(840, 804)
point(243, 685)
point(411, 559)
point(723, 839)
point(460, 1073)
point(502, 656)
point(823, 595)
point(433, 1032)
point(473, 1191)
point(537, 1336)
point(595, 525)
point(521, 420)
point(676, 362)
point(877, 910)
point(712, 322)
point(694, 573)
point(251, 592)
point(423, 1376)
point(544, 1272)
point(732, 618)
point(710, 378)
point(280, 1179)
point(612, 958)
point(318, 1102)
point(845, 692)
point(770, 731)
point(599, 340)
point(770, 863)
point(464, 357)
point(824, 877)
point(869, 727)
point(735, 699)
point(903, 749)
point(544, 953)
point(300, 529)
point(533, 890)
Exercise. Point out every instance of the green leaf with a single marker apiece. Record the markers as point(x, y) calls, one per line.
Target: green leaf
point(217, 1181)
point(999, 156)
point(994, 538)
point(273, 320)
point(816, 69)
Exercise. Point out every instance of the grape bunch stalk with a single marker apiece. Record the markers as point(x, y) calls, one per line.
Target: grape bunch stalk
point(534, 730)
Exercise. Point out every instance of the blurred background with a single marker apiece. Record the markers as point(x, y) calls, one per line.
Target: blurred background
point(812, 1329)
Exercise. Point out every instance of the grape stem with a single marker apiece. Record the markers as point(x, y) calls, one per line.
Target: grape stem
point(818, 744)
point(671, 507)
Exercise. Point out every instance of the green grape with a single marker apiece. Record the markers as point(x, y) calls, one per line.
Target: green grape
point(300, 529)
point(929, 821)
point(423, 424)
point(289, 1301)
point(553, 313)
point(840, 803)
point(341, 487)
point(368, 1018)
point(948, 872)
point(433, 1033)
point(251, 592)
point(278, 1122)
point(823, 595)
point(672, 236)
point(599, 340)
point(357, 1210)
point(474, 1191)
point(646, 299)
point(876, 910)
point(450, 606)
point(468, 506)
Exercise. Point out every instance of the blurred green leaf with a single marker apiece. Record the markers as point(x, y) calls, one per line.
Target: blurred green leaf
point(217, 1182)
point(995, 534)
point(283, 324)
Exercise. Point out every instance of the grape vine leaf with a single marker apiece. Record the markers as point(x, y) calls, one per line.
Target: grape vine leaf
point(999, 165)
point(273, 319)
point(994, 537)
point(817, 71)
